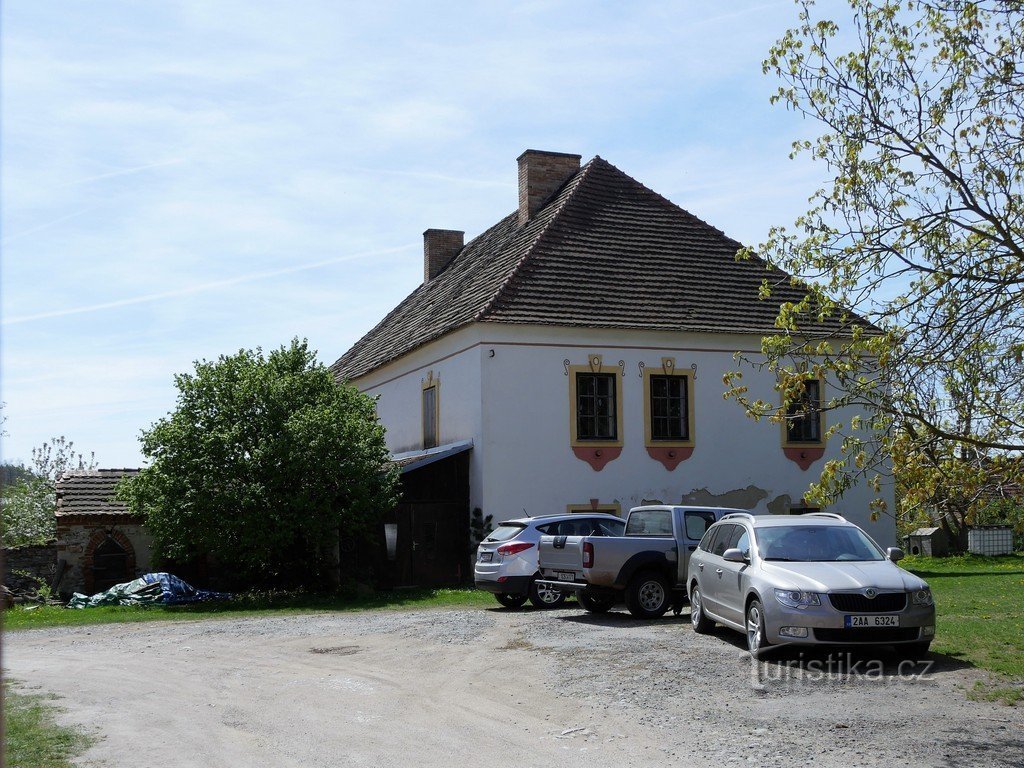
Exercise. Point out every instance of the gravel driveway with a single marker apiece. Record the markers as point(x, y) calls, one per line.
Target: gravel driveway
point(530, 688)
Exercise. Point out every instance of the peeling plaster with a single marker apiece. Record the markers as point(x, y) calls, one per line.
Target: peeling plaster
point(740, 498)
point(780, 505)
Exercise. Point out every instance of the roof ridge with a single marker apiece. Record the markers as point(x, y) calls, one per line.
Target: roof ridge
point(576, 182)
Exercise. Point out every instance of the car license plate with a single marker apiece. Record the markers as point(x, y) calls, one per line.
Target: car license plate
point(872, 620)
point(565, 575)
point(485, 557)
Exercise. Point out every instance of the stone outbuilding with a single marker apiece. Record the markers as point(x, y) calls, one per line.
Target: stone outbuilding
point(99, 541)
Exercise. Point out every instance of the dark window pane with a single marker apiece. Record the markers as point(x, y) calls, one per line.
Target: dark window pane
point(669, 409)
point(596, 414)
point(722, 539)
point(697, 524)
point(803, 423)
point(430, 417)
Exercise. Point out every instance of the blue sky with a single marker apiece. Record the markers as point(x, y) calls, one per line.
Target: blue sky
point(185, 179)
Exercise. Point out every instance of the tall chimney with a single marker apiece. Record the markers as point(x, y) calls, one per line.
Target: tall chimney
point(440, 246)
point(541, 174)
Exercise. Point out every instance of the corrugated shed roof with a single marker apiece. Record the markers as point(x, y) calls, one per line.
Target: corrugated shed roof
point(605, 252)
point(91, 492)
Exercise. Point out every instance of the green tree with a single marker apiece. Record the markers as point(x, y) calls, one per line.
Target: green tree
point(30, 499)
point(262, 462)
point(913, 254)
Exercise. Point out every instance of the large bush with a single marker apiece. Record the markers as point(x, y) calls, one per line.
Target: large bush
point(262, 462)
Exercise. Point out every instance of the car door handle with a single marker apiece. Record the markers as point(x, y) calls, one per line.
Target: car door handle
point(719, 571)
point(701, 566)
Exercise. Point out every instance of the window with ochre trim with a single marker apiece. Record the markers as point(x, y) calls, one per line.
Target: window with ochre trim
point(805, 423)
point(668, 407)
point(600, 509)
point(595, 403)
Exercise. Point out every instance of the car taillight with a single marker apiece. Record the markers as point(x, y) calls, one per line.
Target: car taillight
point(588, 555)
point(513, 549)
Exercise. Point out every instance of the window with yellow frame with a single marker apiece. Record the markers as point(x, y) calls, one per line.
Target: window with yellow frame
point(595, 404)
point(668, 406)
point(613, 508)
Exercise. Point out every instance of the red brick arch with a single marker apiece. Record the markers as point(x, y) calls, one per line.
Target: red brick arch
point(97, 538)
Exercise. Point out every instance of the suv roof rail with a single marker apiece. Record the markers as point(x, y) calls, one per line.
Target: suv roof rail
point(832, 515)
point(736, 514)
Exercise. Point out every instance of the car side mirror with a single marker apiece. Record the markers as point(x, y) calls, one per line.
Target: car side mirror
point(734, 556)
point(895, 554)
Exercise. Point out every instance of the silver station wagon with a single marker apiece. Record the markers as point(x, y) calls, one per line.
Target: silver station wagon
point(808, 580)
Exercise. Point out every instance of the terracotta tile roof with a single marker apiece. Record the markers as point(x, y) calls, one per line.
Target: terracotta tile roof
point(605, 252)
point(91, 492)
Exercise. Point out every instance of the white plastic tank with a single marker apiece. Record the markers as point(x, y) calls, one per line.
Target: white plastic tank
point(990, 540)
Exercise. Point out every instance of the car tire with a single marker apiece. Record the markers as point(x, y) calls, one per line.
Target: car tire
point(757, 642)
point(648, 595)
point(545, 597)
point(594, 603)
point(509, 600)
point(702, 625)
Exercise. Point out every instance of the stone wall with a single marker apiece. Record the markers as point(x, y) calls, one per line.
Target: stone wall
point(25, 568)
point(78, 536)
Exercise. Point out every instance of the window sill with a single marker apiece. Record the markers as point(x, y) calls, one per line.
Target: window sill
point(804, 454)
point(597, 456)
point(670, 455)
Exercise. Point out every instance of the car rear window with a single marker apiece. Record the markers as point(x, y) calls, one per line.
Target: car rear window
point(649, 522)
point(505, 531)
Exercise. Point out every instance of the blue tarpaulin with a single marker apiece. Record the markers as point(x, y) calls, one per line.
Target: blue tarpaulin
point(149, 589)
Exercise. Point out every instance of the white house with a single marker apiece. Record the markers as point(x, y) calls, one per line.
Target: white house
point(576, 349)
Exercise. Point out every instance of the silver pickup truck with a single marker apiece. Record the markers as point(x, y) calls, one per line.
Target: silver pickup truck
point(645, 567)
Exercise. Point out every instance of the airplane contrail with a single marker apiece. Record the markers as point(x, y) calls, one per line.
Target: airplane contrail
point(122, 172)
point(190, 289)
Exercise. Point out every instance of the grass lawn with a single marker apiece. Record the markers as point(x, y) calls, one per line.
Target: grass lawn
point(251, 604)
point(980, 610)
point(32, 738)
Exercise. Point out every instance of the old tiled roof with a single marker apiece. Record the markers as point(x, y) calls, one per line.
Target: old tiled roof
point(91, 492)
point(605, 252)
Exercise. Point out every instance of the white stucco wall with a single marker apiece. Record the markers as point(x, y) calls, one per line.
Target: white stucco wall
point(454, 361)
point(505, 387)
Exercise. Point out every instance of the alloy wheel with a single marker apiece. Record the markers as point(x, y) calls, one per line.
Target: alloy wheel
point(695, 607)
point(754, 632)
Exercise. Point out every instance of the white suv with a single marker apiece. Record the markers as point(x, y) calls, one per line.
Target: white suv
point(506, 561)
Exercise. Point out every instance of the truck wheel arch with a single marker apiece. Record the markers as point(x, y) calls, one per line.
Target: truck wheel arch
point(645, 561)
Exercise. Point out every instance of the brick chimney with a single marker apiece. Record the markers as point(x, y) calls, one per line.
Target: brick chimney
point(541, 174)
point(440, 246)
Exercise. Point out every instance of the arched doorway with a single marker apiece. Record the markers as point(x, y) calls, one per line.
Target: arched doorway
point(110, 565)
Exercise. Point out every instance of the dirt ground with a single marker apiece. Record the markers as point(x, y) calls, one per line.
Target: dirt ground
point(462, 687)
